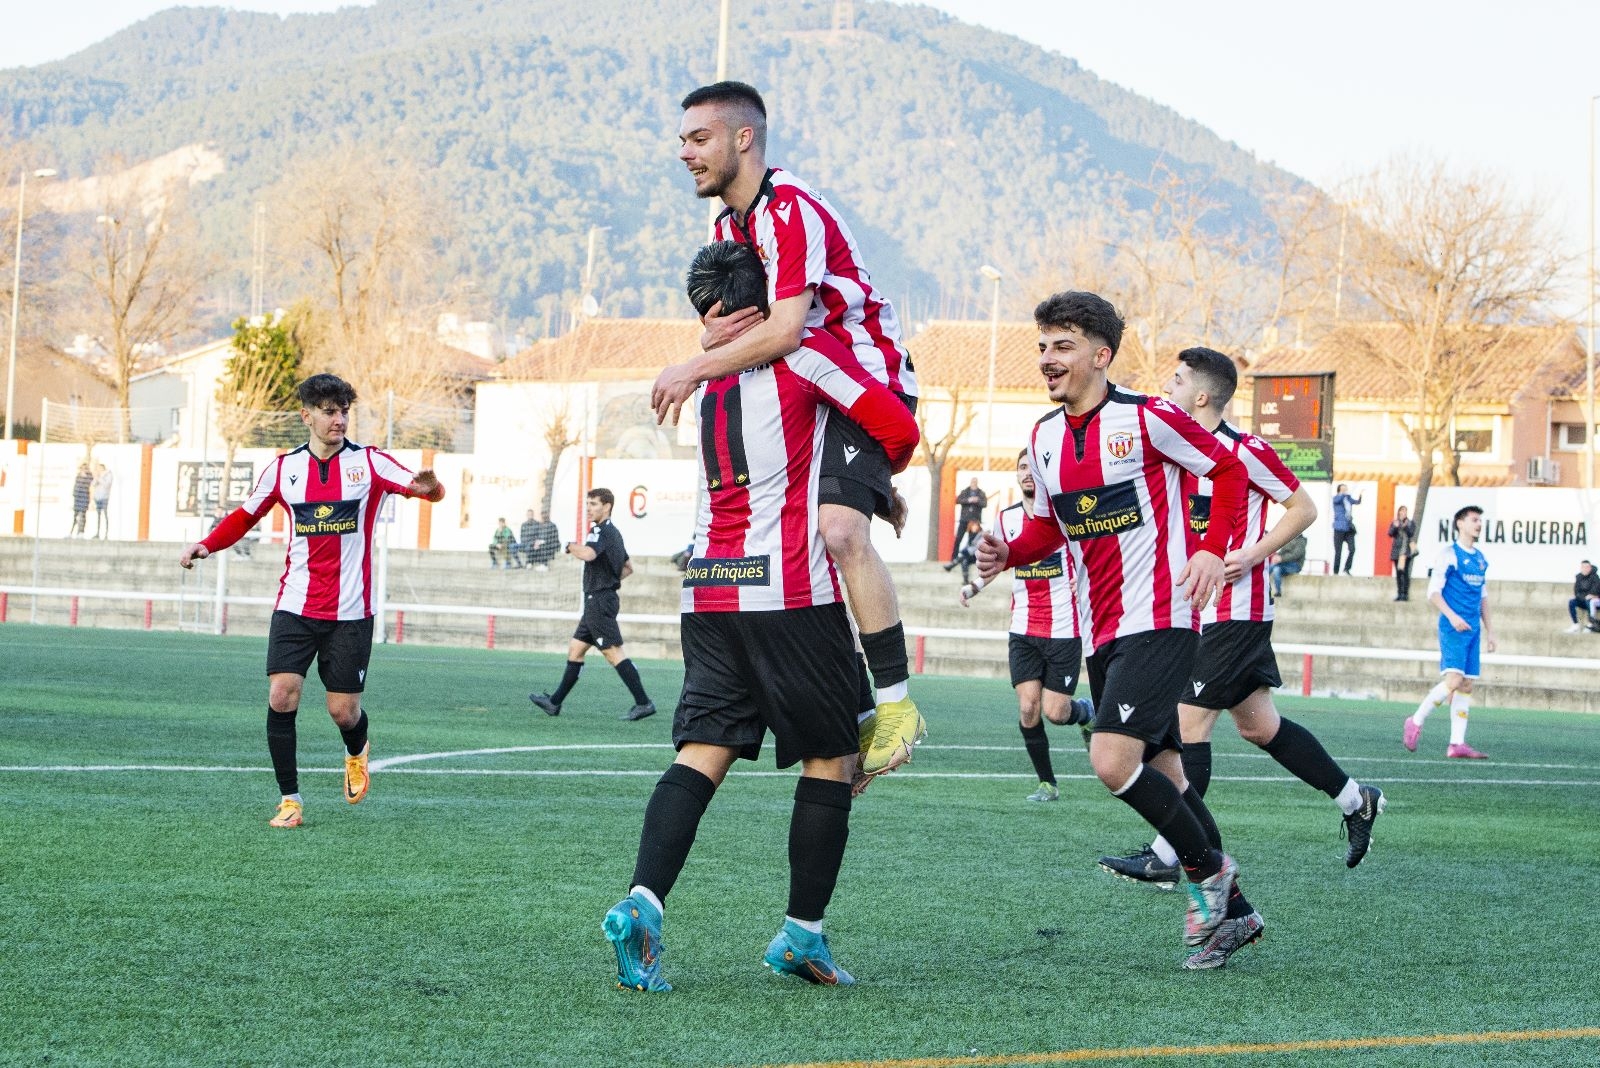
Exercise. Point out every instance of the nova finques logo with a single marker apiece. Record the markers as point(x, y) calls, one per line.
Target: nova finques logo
point(322, 512)
point(1086, 503)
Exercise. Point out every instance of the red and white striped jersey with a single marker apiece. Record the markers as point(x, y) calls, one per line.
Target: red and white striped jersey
point(756, 546)
point(1250, 597)
point(804, 243)
point(1110, 481)
point(333, 509)
point(1043, 601)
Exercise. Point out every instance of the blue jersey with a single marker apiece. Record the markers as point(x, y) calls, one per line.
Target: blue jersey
point(1459, 575)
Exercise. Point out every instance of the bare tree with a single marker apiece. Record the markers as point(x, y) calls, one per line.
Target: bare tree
point(365, 229)
point(936, 451)
point(1452, 263)
point(144, 270)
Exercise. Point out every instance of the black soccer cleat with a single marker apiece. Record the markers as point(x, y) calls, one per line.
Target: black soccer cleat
point(542, 700)
point(1358, 825)
point(1143, 867)
point(640, 711)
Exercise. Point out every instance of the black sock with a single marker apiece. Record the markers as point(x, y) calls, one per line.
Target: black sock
point(1298, 750)
point(886, 656)
point(280, 743)
point(864, 695)
point(569, 679)
point(1237, 903)
point(819, 827)
point(1080, 715)
point(355, 739)
point(1191, 797)
point(1039, 752)
point(1196, 757)
point(630, 679)
point(1153, 796)
point(670, 821)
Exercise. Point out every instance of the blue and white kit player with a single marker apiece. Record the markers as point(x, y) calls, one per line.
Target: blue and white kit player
point(1456, 589)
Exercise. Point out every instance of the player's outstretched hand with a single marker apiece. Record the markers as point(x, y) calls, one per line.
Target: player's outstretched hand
point(427, 486)
point(899, 511)
point(674, 385)
point(721, 329)
point(197, 551)
point(1201, 578)
point(969, 591)
point(992, 556)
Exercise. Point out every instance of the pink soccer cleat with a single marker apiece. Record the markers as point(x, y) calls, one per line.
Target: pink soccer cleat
point(1463, 751)
point(1413, 734)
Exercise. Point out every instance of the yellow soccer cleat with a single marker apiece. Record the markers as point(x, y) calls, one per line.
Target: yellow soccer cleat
point(288, 813)
point(356, 779)
point(897, 727)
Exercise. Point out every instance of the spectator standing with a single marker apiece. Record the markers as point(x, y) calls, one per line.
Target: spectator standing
point(80, 500)
point(1585, 596)
point(1344, 527)
point(1287, 561)
point(971, 502)
point(539, 540)
point(1402, 552)
point(503, 547)
point(100, 490)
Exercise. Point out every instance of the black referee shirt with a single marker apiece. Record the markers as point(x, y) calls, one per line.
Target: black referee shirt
point(604, 572)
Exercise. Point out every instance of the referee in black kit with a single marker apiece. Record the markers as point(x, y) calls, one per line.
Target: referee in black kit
point(605, 565)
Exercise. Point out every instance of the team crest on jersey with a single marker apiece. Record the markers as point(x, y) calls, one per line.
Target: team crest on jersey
point(1119, 444)
point(355, 475)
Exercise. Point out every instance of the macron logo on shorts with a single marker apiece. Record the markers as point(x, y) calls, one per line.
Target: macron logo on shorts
point(1198, 687)
point(1124, 711)
point(850, 453)
point(361, 676)
point(1068, 682)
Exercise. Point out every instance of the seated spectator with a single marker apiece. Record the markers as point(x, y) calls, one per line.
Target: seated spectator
point(503, 547)
point(540, 540)
point(1585, 595)
point(967, 549)
point(1287, 561)
point(681, 559)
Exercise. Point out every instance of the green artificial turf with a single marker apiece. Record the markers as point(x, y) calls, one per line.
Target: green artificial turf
point(150, 917)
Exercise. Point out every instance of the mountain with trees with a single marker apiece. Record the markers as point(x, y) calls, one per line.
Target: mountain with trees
point(535, 130)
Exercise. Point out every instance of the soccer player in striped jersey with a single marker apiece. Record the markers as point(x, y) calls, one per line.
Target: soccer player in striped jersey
point(767, 645)
point(331, 489)
point(1106, 467)
point(1044, 648)
point(1235, 669)
point(816, 282)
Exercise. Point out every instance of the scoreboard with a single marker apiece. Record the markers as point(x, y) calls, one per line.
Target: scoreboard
point(1294, 412)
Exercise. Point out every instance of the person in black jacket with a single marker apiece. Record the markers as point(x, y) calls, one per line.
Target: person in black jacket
point(1402, 551)
point(1585, 596)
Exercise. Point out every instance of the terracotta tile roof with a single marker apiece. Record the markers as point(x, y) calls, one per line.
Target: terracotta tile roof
point(606, 349)
point(950, 353)
point(1548, 360)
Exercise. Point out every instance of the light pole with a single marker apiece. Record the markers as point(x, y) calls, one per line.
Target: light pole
point(1588, 363)
point(16, 291)
point(992, 274)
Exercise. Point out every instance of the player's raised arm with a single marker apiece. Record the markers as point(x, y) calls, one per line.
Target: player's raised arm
point(426, 485)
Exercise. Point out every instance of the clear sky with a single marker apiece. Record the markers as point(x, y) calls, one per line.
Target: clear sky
point(1325, 91)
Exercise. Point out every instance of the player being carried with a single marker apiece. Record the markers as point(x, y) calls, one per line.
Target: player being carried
point(1044, 647)
point(767, 645)
point(1235, 668)
point(815, 282)
point(1106, 467)
point(331, 489)
point(1456, 589)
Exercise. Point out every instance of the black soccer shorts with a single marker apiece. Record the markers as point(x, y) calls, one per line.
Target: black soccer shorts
point(793, 671)
point(1234, 660)
point(1137, 681)
point(598, 625)
point(1055, 662)
point(855, 469)
point(341, 648)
